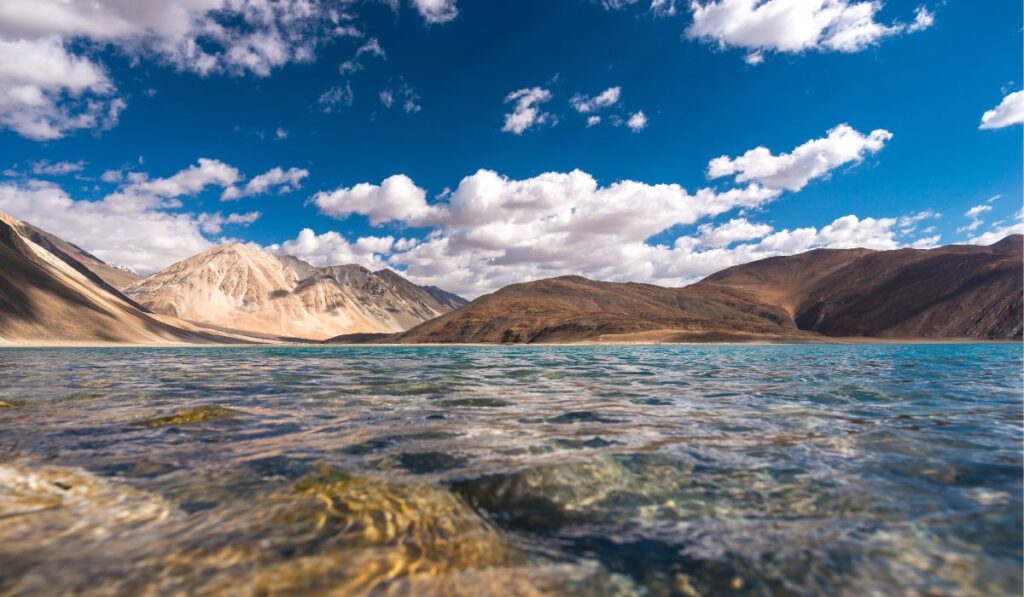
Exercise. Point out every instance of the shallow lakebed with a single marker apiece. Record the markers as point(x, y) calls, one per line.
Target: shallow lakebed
point(618, 470)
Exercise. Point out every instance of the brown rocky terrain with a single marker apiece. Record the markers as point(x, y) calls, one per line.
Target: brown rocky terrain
point(948, 292)
point(959, 291)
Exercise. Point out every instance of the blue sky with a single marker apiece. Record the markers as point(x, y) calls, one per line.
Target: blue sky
point(127, 95)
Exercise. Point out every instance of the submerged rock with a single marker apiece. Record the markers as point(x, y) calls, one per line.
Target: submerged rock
point(194, 415)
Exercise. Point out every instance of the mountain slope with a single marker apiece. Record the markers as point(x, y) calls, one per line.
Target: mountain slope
point(47, 295)
point(573, 308)
point(78, 258)
point(246, 288)
point(948, 292)
point(951, 292)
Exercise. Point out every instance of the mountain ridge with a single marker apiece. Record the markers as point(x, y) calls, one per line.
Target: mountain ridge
point(246, 288)
point(959, 291)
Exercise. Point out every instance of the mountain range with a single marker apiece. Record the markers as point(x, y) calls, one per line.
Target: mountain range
point(52, 291)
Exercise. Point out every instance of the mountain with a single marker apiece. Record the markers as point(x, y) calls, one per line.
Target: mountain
point(246, 288)
point(52, 291)
point(118, 276)
point(949, 292)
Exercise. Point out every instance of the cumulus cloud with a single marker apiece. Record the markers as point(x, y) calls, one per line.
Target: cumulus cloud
point(136, 234)
point(585, 104)
point(331, 248)
point(732, 231)
point(286, 181)
point(50, 87)
point(795, 26)
point(526, 112)
point(492, 230)
point(47, 92)
point(637, 121)
point(140, 224)
point(1010, 111)
point(437, 11)
point(813, 159)
point(396, 199)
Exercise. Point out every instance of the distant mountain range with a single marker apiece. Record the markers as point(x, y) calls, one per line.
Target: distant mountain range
point(243, 287)
point(53, 291)
point(948, 292)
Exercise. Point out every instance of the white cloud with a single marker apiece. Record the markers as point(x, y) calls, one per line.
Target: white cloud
point(336, 96)
point(331, 248)
point(928, 242)
point(48, 168)
point(794, 26)
point(133, 233)
point(387, 97)
point(286, 181)
point(908, 224)
point(492, 230)
point(372, 47)
point(974, 215)
point(977, 210)
point(215, 222)
point(813, 159)
point(397, 198)
point(593, 121)
point(47, 92)
point(280, 134)
point(112, 176)
point(190, 181)
point(1010, 111)
point(637, 122)
point(923, 19)
point(139, 224)
point(730, 232)
point(436, 11)
point(1001, 231)
point(585, 104)
point(50, 87)
point(527, 112)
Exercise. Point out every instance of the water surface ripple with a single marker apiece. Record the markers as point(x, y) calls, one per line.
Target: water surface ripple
point(659, 470)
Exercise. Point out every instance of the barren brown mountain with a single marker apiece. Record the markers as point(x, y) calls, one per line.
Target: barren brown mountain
point(49, 292)
point(246, 288)
point(949, 292)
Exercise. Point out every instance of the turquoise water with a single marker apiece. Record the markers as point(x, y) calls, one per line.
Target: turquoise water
point(659, 470)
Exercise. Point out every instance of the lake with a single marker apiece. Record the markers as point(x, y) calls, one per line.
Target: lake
point(596, 470)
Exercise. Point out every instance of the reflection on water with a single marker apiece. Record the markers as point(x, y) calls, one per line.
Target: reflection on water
point(661, 470)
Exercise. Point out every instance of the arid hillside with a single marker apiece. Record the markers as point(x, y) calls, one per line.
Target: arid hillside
point(948, 292)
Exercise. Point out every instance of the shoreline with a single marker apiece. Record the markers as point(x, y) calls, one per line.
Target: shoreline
point(845, 341)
